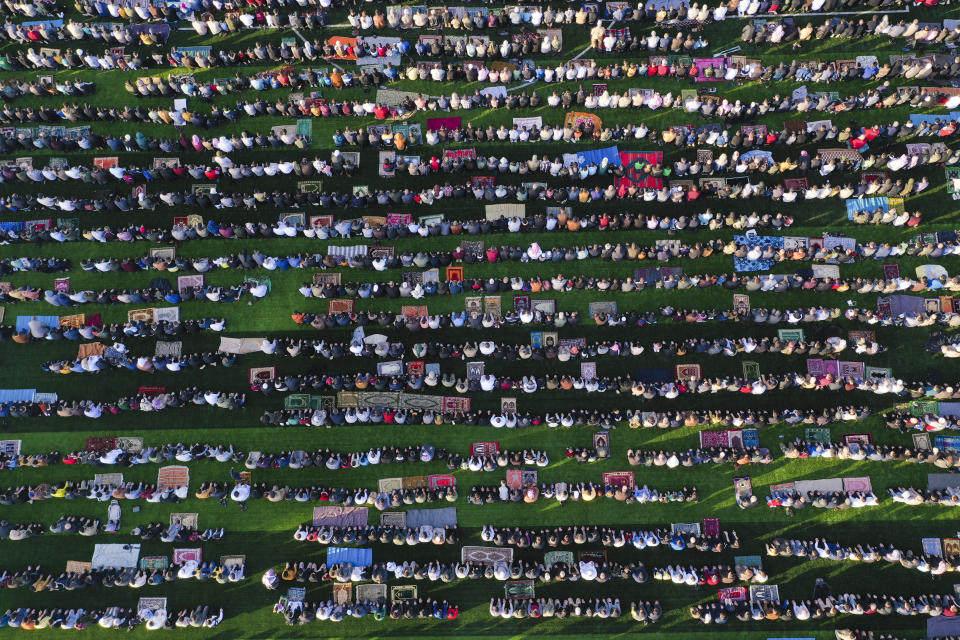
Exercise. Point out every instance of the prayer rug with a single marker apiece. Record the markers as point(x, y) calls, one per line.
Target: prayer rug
point(393, 519)
point(518, 589)
point(154, 562)
point(77, 566)
point(186, 520)
point(442, 480)
point(764, 593)
point(130, 444)
point(170, 349)
point(113, 480)
point(371, 592)
point(119, 556)
point(90, 349)
point(342, 592)
point(101, 444)
point(454, 404)
point(151, 390)
point(858, 484)
point(484, 448)
point(181, 556)
point(685, 528)
point(817, 434)
point(152, 604)
point(173, 477)
point(735, 594)
point(593, 556)
point(339, 516)
point(931, 547)
point(259, 375)
point(387, 485)
point(240, 345)
point(339, 305)
point(415, 482)
point(415, 311)
point(421, 402)
point(486, 555)
point(619, 479)
point(749, 561)
point(297, 401)
point(557, 557)
point(921, 442)
point(783, 488)
point(75, 321)
point(743, 487)
point(10, 447)
point(403, 592)
point(711, 527)
point(688, 371)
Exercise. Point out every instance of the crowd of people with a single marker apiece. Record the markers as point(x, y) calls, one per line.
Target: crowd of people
point(713, 455)
point(37, 580)
point(128, 619)
point(741, 163)
point(117, 332)
point(530, 492)
point(610, 537)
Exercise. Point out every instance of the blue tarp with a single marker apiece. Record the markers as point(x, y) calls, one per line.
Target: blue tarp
point(51, 322)
point(869, 205)
point(760, 241)
point(919, 118)
point(745, 264)
point(17, 395)
point(949, 408)
point(349, 555)
point(56, 24)
point(612, 155)
point(756, 153)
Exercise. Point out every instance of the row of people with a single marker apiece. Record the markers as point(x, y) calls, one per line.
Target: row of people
point(800, 449)
point(609, 537)
point(827, 607)
point(793, 500)
point(903, 421)
point(863, 553)
point(147, 295)
point(912, 32)
point(566, 419)
point(582, 491)
point(245, 140)
point(37, 580)
point(759, 315)
point(713, 455)
point(109, 618)
point(146, 402)
point(384, 534)
point(949, 496)
point(69, 490)
point(298, 612)
point(116, 332)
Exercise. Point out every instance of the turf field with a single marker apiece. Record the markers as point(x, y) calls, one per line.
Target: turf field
point(263, 533)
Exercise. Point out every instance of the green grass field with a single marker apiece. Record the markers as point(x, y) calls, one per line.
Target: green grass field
point(264, 532)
